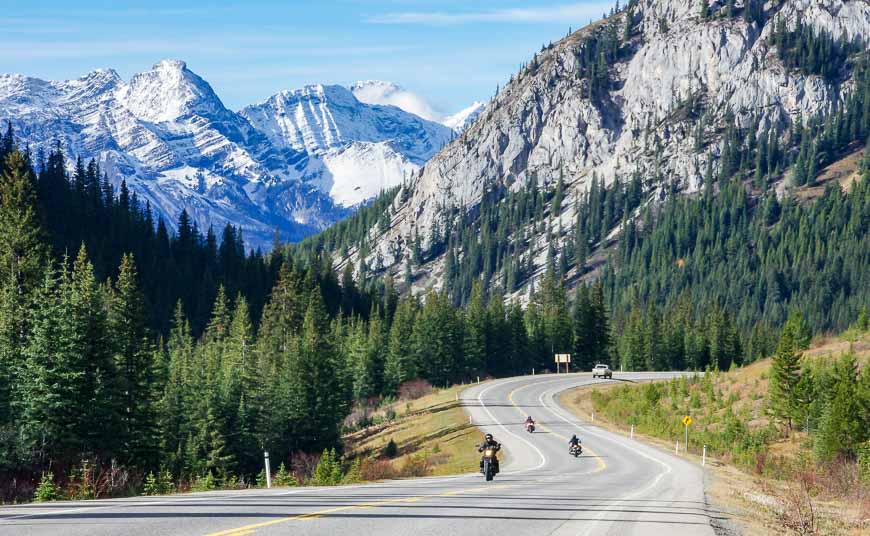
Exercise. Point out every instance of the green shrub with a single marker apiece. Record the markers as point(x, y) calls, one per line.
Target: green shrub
point(151, 487)
point(328, 471)
point(82, 486)
point(283, 478)
point(391, 450)
point(864, 461)
point(354, 473)
point(46, 491)
point(205, 482)
point(165, 485)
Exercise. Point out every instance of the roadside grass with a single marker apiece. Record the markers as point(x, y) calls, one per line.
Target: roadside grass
point(770, 480)
point(432, 437)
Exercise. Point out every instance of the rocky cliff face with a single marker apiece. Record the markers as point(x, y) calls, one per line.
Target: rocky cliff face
point(544, 124)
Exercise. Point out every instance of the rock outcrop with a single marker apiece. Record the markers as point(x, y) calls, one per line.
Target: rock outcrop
point(543, 125)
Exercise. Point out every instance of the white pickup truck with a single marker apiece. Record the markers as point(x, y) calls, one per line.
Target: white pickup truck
point(602, 371)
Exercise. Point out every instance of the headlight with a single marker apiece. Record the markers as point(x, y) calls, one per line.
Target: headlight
point(487, 453)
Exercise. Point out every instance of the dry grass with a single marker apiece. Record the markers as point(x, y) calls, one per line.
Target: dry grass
point(432, 434)
point(816, 501)
point(844, 172)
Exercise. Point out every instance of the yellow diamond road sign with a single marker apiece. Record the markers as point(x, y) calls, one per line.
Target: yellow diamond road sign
point(687, 420)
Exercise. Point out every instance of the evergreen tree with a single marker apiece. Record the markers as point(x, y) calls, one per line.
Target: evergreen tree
point(843, 425)
point(22, 257)
point(317, 401)
point(133, 357)
point(401, 364)
point(475, 331)
point(785, 373)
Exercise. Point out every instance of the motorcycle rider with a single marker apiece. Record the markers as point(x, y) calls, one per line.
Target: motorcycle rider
point(529, 420)
point(573, 442)
point(489, 443)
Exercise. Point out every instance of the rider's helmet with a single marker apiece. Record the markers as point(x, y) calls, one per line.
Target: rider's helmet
point(488, 437)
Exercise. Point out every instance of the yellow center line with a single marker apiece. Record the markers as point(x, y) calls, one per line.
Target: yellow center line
point(601, 463)
point(249, 529)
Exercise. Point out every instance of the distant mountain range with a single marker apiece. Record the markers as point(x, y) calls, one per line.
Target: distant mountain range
point(298, 161)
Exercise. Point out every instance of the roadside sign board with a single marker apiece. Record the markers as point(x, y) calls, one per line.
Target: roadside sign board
point(563, 358)
point(687, 420)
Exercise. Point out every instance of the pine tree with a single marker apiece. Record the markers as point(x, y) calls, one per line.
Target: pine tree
point(437, 340)
point(317, 401)
point(22, 257)
point(584, 330)
point(401, 364)
point(175, 404)
point(843, 423)
point(361, 375)
point(475, 332)
point(100, 401)
point(785, 374)
point(133, 357)
point(241, 389)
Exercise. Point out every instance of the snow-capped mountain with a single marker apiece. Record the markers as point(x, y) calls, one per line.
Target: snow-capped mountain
point(358, 150)
point(388, 93)
point(461, 119)
point(299, 161)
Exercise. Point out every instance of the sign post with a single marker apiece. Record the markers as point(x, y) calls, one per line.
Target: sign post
point(687, 421)
point(562, 358)
point(268, 471)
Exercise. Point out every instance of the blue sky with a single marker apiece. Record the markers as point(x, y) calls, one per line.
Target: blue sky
point(450, 52)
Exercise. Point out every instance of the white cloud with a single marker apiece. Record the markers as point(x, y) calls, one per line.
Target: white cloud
point(378, 92)
point(580, 12)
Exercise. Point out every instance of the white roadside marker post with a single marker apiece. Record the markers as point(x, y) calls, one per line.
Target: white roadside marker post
point(704, 456)
point(677, 448)
point(268, 471)
point(632, 431)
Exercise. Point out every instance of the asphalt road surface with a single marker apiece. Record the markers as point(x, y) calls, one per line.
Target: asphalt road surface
point(617, 486)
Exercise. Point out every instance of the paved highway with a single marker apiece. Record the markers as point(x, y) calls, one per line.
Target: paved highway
point(618, 486)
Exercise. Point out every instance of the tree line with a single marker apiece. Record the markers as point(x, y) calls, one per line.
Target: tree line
point(88, 379)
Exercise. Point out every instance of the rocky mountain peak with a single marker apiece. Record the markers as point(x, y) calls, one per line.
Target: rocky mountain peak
point(648, 92)
point(170, 91)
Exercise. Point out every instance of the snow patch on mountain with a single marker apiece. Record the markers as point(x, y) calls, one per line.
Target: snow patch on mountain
point(379, 164)
point(461, 119)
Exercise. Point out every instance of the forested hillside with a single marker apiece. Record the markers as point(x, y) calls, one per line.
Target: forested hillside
point(95, 395)
point(613, 119)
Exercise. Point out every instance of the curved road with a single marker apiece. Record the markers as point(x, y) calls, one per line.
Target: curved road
point(617, 486)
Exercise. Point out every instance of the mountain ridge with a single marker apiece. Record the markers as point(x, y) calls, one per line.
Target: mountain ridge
point(656, 91)
point(167, 133)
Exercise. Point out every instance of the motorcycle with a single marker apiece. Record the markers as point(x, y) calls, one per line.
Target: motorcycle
point(489, 463)
point(530, 427)
point(575, 450)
